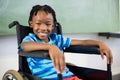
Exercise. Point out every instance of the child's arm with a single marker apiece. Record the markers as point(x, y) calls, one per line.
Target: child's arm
point(55, 54)
point(104, 50)
point(32, 46)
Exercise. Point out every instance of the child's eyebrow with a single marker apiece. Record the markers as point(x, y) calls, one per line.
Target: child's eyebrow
point(49, 19)
point(38, 20)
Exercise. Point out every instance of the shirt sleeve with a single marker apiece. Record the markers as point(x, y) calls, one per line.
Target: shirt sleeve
point(29, 38)
point(64, 42)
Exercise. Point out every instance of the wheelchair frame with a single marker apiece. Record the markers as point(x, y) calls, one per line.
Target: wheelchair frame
point(24, 70)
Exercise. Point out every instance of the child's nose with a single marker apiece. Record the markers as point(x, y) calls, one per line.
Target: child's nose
point(43, 27)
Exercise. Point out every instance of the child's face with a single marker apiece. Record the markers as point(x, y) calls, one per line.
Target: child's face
point(42, 25)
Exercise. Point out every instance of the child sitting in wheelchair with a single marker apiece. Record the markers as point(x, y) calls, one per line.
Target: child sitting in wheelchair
point(42, 20)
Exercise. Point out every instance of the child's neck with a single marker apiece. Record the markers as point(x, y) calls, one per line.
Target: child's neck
point(46, 41)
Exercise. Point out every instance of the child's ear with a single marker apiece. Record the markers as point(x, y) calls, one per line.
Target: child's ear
point(31, 24)
point(53, 26)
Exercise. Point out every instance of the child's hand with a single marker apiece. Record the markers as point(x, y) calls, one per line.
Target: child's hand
point(57, 58)
point(104, 50)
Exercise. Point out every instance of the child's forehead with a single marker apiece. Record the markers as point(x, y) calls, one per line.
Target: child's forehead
point(42, 12)
point(42, 15)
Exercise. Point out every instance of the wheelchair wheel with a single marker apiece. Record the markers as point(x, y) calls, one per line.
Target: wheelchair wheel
point(12, 75)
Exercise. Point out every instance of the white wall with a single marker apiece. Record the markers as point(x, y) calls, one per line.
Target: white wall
point(9, 57)
point(8, 54)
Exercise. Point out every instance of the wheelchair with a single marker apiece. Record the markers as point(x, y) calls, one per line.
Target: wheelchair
point(24, 73)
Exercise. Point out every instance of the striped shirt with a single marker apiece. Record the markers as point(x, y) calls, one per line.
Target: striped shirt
point(44, 68)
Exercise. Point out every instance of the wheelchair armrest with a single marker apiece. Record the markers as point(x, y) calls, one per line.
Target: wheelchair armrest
point(88, 50)
point(83, 49)
point(37, 54)
point(73, 49)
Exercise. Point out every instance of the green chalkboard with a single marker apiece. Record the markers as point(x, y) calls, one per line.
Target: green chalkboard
point(75, 16)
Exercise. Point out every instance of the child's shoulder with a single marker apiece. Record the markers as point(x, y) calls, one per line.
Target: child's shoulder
point(55, 35)
point(30, 36)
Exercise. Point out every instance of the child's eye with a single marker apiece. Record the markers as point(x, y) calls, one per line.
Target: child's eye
point(48, 24)
point(38, 23)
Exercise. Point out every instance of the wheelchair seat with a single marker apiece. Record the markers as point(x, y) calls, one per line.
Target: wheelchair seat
point(24, 72)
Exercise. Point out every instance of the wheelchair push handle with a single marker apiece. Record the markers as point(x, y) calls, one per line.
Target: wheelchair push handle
point(13, 24)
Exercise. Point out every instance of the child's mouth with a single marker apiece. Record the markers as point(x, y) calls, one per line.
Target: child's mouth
point(43, 33)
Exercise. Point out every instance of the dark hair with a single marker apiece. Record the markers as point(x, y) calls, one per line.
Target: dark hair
point(45, 8)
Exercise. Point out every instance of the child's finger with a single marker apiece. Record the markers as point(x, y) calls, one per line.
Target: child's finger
point(62, 64)
point(102, 54)
point(57, 65)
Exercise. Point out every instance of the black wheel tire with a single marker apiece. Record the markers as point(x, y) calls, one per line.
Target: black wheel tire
point(12, 75)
